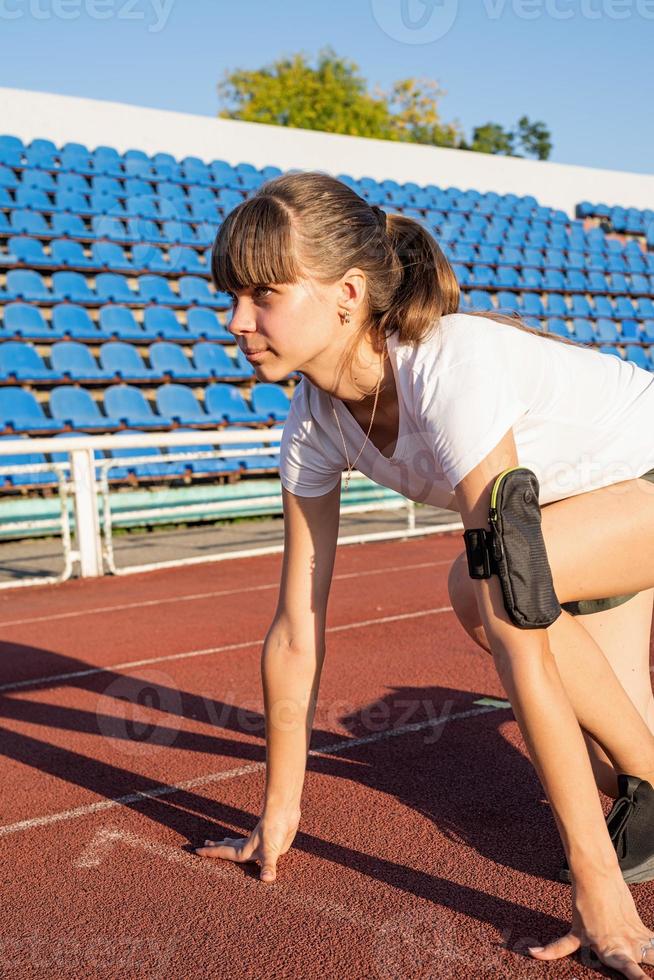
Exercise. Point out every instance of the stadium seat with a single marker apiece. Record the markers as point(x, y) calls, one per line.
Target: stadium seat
point(28, 222)
point(638, 356)
point(21, 362)
point(224, 401)
point(170, 359)
point(179, 403)
point(249, 460)
point(20, 410)
point(24, 320)
point(21, 460)
point(583, 330)
point(65, 252)
point(124, 360)
point(146, 471)
point(270, 400)
point(162, 322)
point(74, 321)
point(113, 288)
point(74, 361)
point(28, 285)
point(29, 251)
point(214, 362)
point(72, 286)
point(76, 407)
point(203, 323)
point(129, 404)
point(110, 255)
point(205, 466)
point(194, 290)
point(156, 289)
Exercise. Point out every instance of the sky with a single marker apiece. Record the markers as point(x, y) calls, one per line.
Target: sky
point(583, 67)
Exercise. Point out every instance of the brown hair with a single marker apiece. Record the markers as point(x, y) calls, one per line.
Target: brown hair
point(309, 222)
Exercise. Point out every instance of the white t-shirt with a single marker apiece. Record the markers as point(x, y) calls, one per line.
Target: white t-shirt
point(581, 419)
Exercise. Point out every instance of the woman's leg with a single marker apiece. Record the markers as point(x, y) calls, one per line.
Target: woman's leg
point(624, 634)
point(614, 710)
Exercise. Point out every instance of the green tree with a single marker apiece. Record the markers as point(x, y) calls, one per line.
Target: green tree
point(492, 138)
point(534, 138)
point(331, 97)
point(415, 115)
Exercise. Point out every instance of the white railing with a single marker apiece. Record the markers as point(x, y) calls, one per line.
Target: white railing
point(93, 550)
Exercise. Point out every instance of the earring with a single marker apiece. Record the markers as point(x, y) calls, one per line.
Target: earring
point(346, 318)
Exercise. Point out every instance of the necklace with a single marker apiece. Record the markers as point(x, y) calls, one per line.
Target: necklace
point(350, 466)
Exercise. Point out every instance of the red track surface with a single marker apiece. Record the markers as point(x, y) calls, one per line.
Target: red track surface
point(424, 850)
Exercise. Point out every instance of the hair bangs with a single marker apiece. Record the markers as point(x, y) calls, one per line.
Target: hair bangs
point(254, 246)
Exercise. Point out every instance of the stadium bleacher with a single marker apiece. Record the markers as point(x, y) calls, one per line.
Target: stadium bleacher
point(109, 321)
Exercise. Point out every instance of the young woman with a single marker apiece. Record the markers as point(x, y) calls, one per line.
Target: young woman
point(435, 404)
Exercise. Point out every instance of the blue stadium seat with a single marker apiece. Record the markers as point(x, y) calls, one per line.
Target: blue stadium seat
point(624, 308)
point(110, 255)
point(645, 308)
point(124, 360)
point(271, 400)
point(224, 401)
point(28, 222)
point(603, 307)
point(583, 330)
point(146, 471)
point(532, 305)
point(74, 321)
point(22, 362)
point(113, 288)
point(558, 326)
point(249, 460)
point(179, 403)
point(28, 285)
point(156, 289)
point(483, 275)
point(575, 281)
point(508, 301)
point(580, 307)
point(72, 286)
point(149, 257)
point(103, 226)
point(29, 251)
point(532, 278)
point(129, 404)
point(630, 330)
point(638, 356)
point(557, 306)
point(181, 258)
point(24, 320)
point(201, 322)
point(20, 409)
point(66, 224)
point(76, 407)
point(7, 177)
point(553, 279)
point(119, 321)
point(20, 460)
point(75, 361)
point(162, 322)
point(606, 331)
point(65, 252)
point(479, 300)
point(194, 290)
point(170, 359)
point(597, 282)
point(214, 362)
point(205, 466)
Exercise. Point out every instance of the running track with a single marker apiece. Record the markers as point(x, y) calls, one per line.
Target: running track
point(426, 847)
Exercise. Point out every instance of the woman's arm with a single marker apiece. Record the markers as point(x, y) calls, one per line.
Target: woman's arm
point(294, 650)
point(291, 678)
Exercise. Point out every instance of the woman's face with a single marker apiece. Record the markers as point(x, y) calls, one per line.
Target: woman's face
point(294, 326)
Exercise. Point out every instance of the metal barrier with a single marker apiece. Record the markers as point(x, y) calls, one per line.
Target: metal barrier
point(92, 506)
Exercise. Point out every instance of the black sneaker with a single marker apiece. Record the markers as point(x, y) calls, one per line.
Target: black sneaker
point(630, 824)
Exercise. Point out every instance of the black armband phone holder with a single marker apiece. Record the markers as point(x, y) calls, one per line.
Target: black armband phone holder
point(514, 549)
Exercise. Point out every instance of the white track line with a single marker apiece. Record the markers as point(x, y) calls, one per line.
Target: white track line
point(130, 664)
point(98, 610)
point(214, 777)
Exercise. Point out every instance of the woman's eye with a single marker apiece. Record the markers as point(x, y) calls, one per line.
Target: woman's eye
point(260, 289)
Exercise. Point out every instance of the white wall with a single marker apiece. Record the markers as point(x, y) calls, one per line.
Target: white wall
point(92, 122)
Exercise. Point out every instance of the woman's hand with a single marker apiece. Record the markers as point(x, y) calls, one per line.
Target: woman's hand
point(605, 918)
point(271, 837)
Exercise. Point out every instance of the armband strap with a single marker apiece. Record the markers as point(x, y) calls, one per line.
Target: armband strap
point(514, 549)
